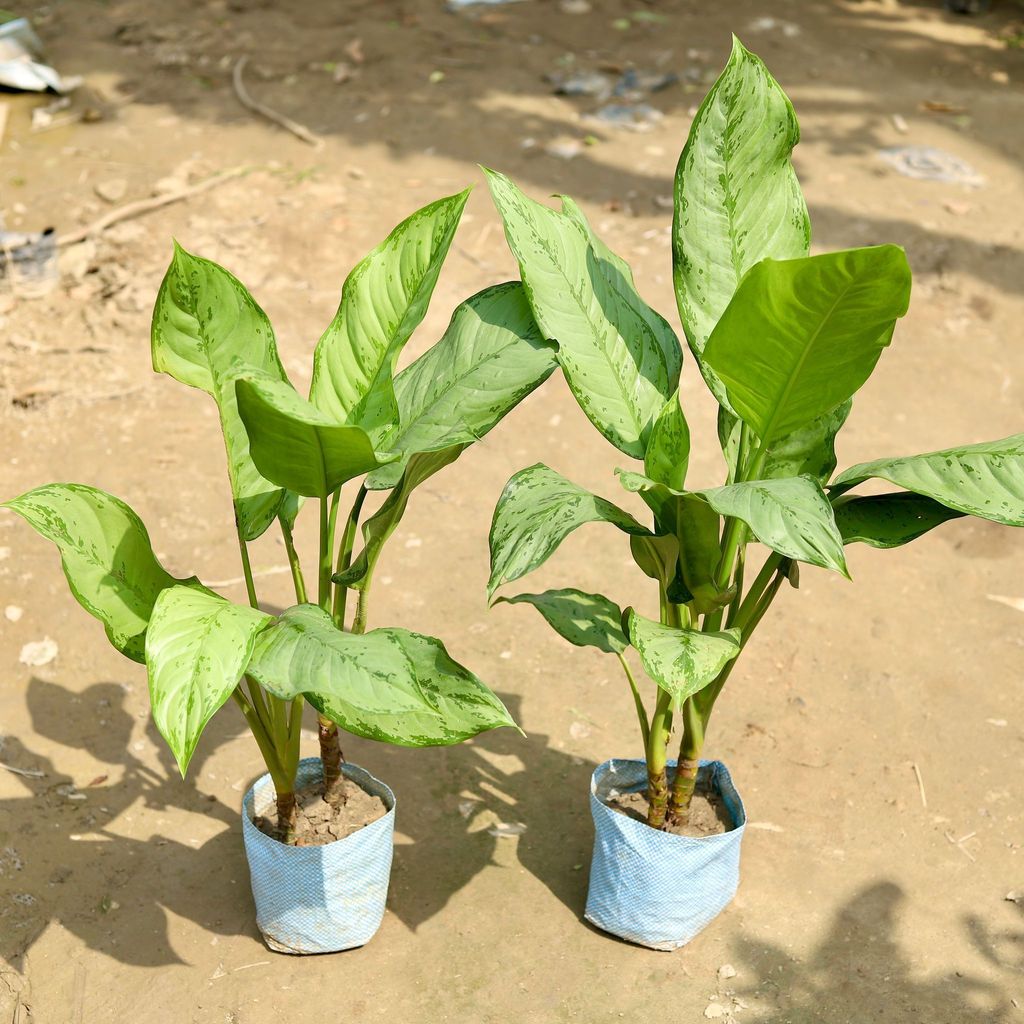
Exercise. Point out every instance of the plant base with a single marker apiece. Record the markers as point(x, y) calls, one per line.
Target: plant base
point(654, 888)
point(319, 899)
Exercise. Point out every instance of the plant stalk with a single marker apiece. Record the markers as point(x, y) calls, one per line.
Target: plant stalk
point(293, 561)
point(348, 540)
point(332, 760)
point(687, 765)
point(641, 711)
point(657, 778)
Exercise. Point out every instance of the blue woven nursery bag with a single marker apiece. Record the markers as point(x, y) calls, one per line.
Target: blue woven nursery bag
point(319, 899)
point(654, 888)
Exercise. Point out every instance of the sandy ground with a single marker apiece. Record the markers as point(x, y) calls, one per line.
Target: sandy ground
point(124, 891)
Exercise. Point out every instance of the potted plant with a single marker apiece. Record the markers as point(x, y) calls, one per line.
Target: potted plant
point(318, 831)
point(783, 341)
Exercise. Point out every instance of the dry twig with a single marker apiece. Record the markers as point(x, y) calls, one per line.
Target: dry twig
point(920, 783)
point(298, 130)
point(138, 208)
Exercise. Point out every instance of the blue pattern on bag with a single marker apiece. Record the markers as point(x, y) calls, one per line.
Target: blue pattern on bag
point(319, 899)
point(654, 888)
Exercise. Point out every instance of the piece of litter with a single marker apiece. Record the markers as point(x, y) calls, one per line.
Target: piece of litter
point(726, 971)
point(1015, 896)
point(1017, 603)
point(637, 117)
point(20, 66)
point(12, 613)
point(467, 807)
point(765, 826)
point(29, 773)
point(928, 163)
point(714, 1010)
point(505, 830)
point(26, 899)
point(38, 652)
point(1001, 722)
point(900, 124)
point(920, 783)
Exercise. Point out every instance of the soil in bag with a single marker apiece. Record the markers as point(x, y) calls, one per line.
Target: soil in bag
point(319, 823)
point(708, 814)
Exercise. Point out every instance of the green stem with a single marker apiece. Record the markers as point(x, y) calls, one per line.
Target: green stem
point(294, 736)
point(278, 774)
point(324, 592)
point(687, 764)
point(348, 540)
point(359, 622)
point(243, 550)
point(641, 711)
point(657, 756)
point(293, 561)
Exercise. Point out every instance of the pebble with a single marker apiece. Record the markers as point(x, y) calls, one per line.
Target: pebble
point(726, 971)
point(112, 191)
point(714, 1011)
point(38, 652)
point(12, 613)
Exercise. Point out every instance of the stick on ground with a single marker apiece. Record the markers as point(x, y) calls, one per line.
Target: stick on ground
point(282, 121)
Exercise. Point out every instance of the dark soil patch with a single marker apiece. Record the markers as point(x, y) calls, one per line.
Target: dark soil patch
point(318, 823)
point(708, 813)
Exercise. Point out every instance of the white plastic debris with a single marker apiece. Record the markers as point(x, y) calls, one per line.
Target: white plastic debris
point(507, 830)
point(20, 65)
point(12, 613)
point(37, 653)
point(928, 163)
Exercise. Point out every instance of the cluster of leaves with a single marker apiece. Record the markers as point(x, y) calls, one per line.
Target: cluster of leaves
point(783, 340)
point(361, 420)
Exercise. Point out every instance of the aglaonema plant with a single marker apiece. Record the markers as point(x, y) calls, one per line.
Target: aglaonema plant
point(783, 340)
point(363, 427)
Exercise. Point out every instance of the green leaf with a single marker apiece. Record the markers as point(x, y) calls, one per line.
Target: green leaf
point(681, 661)
point(537, 510)
point(668, 447)
point(490, 358)
point(389, 684)
point(106, 555)
point(737, 198)
point(696, 527)
point(984, 480)
point(197, 648)
point(379, 527)
point(791, 516)
point(383, 301)
point(801, 336)
point(889, 520)
point(586, 620)
point(614, 362)
point(206, 327)
point(619, 276)
point(297, 446)
point(808, 451)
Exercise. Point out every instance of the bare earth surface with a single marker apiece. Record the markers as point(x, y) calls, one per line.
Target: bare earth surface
point(708, 815)
point(124, 891)
point(317, 822)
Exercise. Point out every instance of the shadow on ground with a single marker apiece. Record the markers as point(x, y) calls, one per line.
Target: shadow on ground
point(859, 972)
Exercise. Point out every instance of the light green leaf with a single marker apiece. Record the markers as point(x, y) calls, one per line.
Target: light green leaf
point(297, 446)
point(106, 555)
point(614, 362)
point(801, 336)
point(197, 648)
point(668, 447)
point(389, 684)
point(681, 661)
point(737, 198)
point(808, 451)
point(586, 620)
point(889, 520)
point(984, 480)
point(537, 510)
point(379, 527)
point(206, 327)
point(383, 301)
point(791, 516)
point(490, 358)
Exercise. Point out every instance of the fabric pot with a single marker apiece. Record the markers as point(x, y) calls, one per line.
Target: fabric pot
point(654, 888)
point(319, 899)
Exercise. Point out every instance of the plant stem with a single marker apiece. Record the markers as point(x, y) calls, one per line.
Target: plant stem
point(243, 550)
point(687, 764)
point(657, 779)
point(359, 622)
point(286, 816)
point(277, 771)
point(332, 759)
point(324, 592)
point(294, 736)
point(348, 540)
point(293, 560)
point(641, 711)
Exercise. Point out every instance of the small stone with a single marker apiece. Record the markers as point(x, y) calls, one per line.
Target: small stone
point(726, 971)
point(12, 613)
point(112, 191)
point(579, 730)
point(1015, 896)
point(37, 653)
point(714, 1010)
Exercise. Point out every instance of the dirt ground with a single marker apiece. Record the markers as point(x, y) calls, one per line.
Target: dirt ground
point(124, 891)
